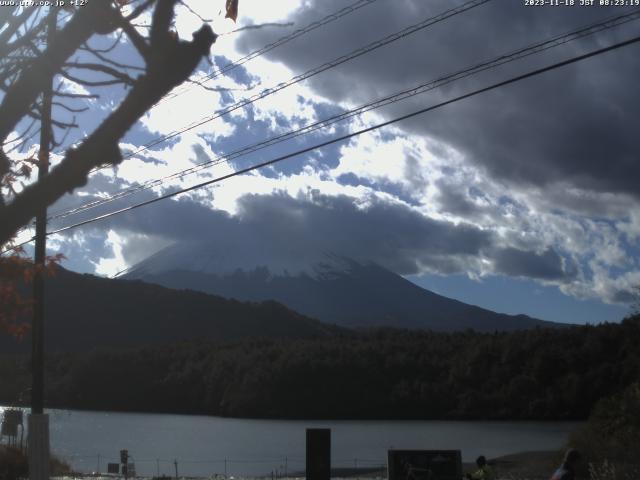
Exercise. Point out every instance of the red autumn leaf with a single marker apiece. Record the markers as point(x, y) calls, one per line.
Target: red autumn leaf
point(232, 10)
point(14, 306)
point(50, 269)
point(28, 275)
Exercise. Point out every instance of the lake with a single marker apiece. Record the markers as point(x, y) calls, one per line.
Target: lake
point(204, 446)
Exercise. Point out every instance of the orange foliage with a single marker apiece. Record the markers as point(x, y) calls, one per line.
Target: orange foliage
point(21, 169)
point(16, 270)
point(17, 273)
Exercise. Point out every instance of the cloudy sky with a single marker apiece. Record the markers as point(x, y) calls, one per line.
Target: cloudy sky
point(522, 200)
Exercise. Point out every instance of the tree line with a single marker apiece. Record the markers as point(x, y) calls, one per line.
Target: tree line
point(539, 374)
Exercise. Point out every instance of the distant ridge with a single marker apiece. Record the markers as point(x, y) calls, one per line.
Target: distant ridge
point(85, 312)
point(321, 285)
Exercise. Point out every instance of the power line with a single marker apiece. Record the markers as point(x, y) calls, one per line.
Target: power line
point(271, 46)
point(310, 73)
point(281, 41)
point(317, 70)
point(342, 138)
point(538, 47)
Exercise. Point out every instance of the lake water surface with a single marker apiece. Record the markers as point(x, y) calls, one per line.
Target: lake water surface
point(204, 446)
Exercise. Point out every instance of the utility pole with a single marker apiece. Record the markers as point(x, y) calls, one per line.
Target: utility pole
point(124, 461)
point(38, 440)
point(175, 463)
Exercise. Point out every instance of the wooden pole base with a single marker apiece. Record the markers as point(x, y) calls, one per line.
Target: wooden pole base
point(38, 446)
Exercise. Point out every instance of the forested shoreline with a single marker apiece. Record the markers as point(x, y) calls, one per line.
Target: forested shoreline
point(539, 374)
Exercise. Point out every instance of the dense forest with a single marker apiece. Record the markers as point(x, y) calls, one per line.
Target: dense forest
point(534, 374)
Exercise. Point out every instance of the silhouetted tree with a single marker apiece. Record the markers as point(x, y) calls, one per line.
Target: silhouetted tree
point(30, 59)
point(167, 62)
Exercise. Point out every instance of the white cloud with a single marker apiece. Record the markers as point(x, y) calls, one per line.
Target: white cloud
point(110, 266)
point(438, 180)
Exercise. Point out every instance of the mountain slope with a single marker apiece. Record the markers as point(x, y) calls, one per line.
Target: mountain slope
point(84, 312)
point(328, 287)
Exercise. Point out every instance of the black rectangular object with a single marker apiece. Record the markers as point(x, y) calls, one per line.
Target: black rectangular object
point(425, 464)
point(113, 468)
point(318, 453)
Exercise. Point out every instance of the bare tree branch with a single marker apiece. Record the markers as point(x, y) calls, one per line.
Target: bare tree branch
point(57, 143)
point(23, 134)
point(94, 17)
point(6, 13)
point(5, 164)
point(196, 14)
point(60, 93)
point(140, 9)
point(36, 114)
point(108, 49)
point(172, 61)
point(137, 40)
point(70, 109)
point(127, 80)
point(105, 59)
point(13, 25)
point(162, 18)
point(26, 137)
point(98, 67)
point(91, 83)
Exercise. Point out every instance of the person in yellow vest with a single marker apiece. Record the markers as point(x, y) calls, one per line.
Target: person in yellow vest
point(484, 471)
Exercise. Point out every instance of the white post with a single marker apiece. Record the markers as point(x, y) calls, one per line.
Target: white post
point(38, 444)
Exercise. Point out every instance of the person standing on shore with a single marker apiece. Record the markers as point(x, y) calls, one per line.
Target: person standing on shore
point(484, 472)
point(567, 470)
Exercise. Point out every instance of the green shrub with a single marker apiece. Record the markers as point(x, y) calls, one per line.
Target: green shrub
point(610, 440)
point(14, 464)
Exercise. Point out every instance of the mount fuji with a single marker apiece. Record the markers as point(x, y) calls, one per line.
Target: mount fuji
point(322, 285)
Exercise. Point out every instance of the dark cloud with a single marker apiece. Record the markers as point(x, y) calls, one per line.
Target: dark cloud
point(99, 184)
point(391, 234)
point(624, 296)
point(590, 204)
point(547, 265)
point(201, 156)
point(453, 198)
point(414, 174)
point(576, 125)
point(280, 228)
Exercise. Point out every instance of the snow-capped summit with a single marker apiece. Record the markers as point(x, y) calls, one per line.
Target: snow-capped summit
point(321, 285)
point(205, 258)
